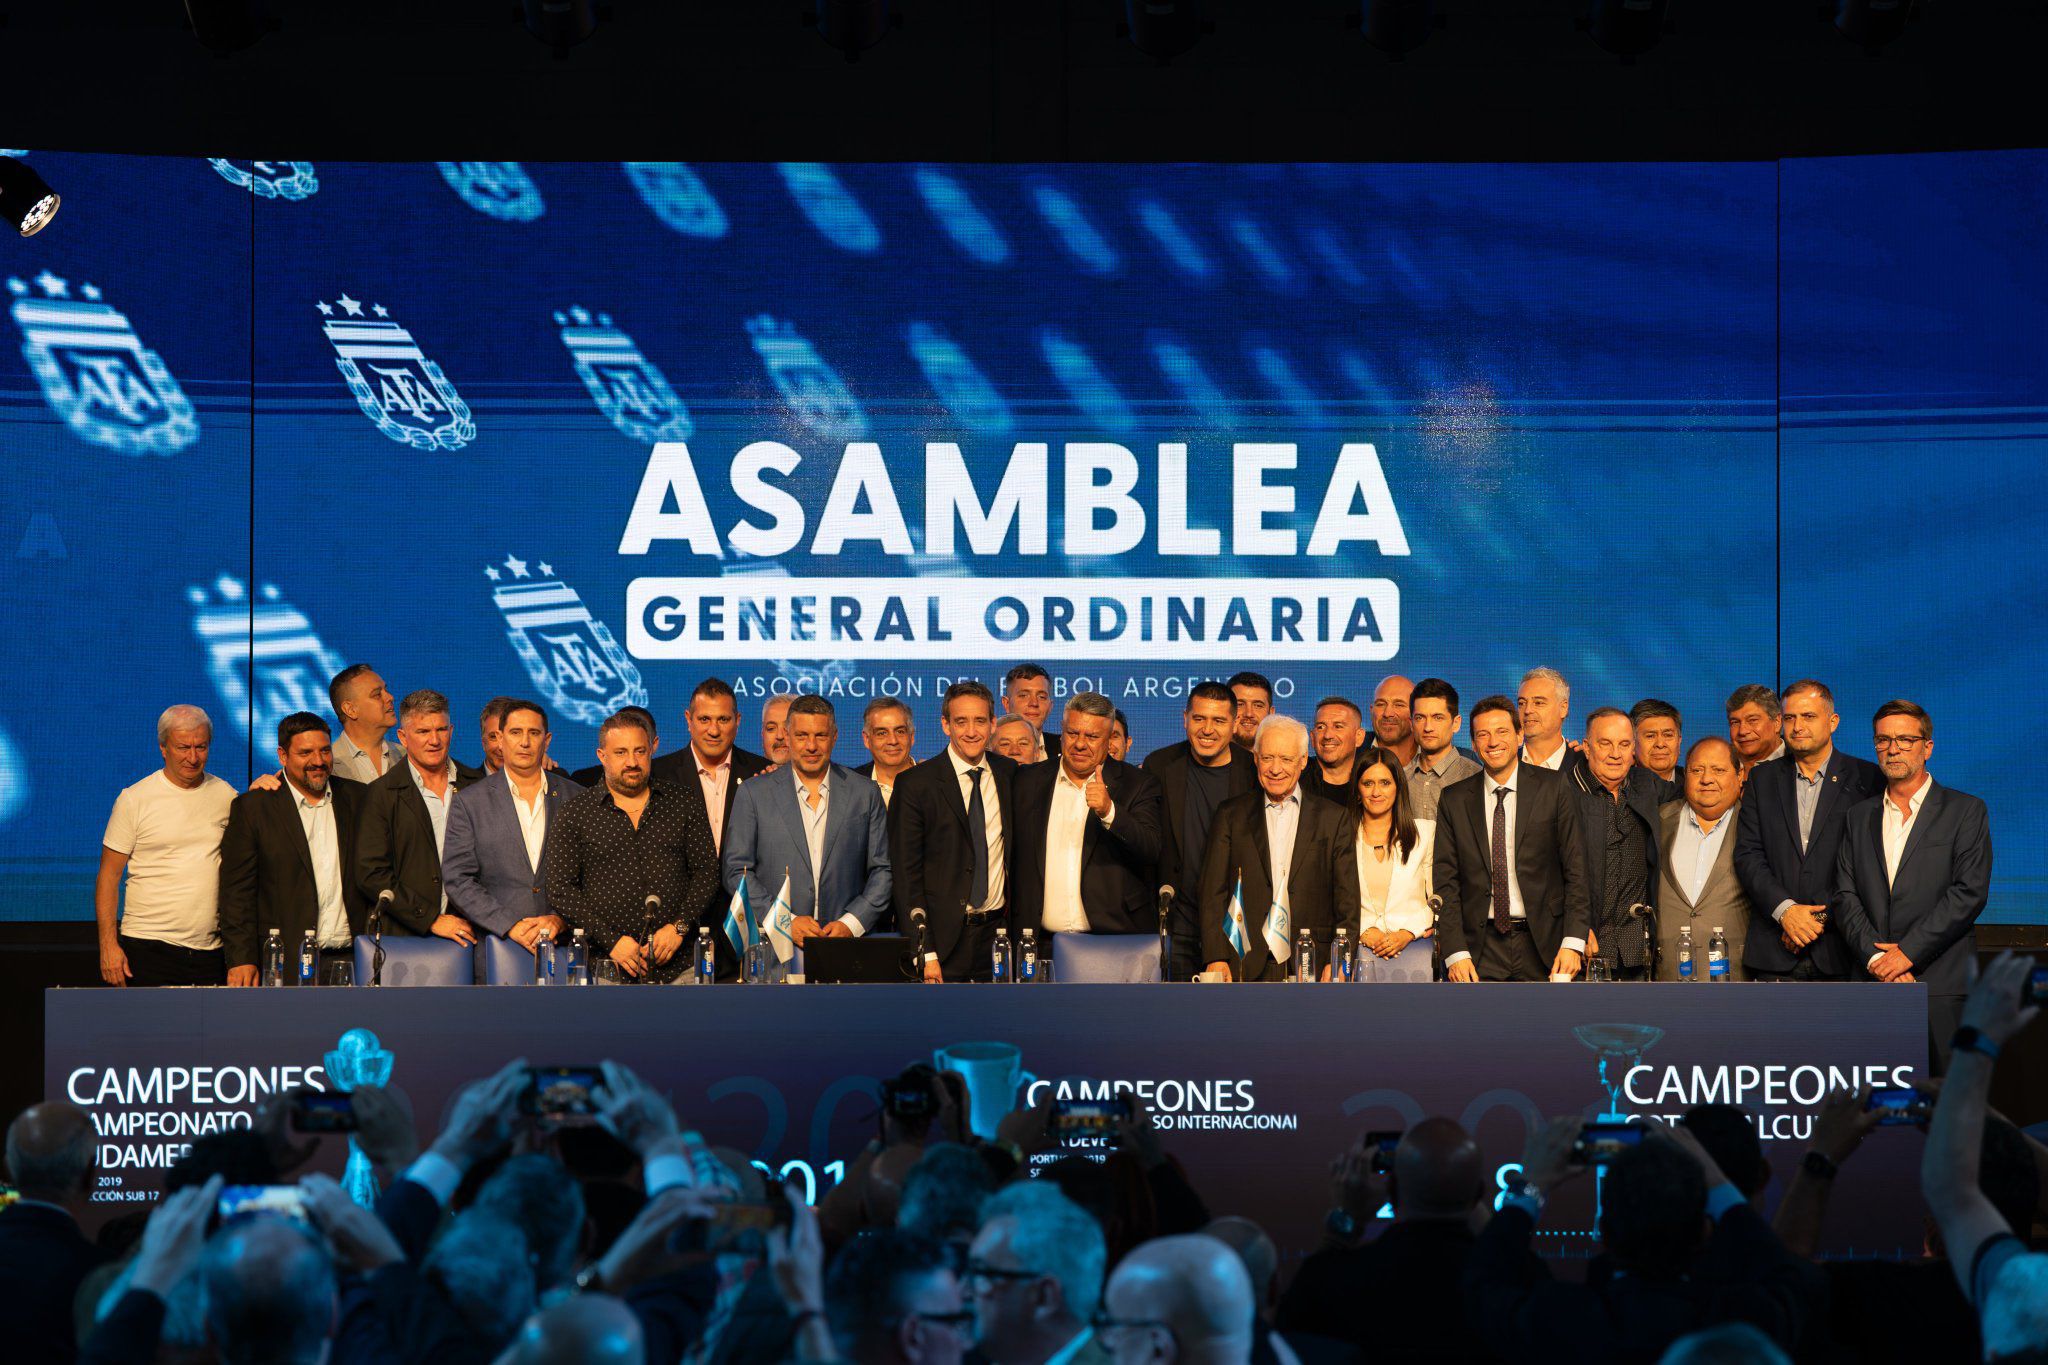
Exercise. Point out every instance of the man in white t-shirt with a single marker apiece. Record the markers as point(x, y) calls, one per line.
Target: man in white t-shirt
point(165, 833)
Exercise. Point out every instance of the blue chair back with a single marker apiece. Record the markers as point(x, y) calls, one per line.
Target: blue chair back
point(412, 961)
point(1105, 958)
point(506, 963)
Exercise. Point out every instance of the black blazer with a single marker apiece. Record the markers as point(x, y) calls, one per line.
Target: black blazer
point(1170, 766)
point(1930, 907)
point(1773, 869)
point(43, 1257)
point(1322, 880)
point(1119, 886)
point(1644, 793)
point(1550, 862)
point(395, 849)
point(931, 848)
point(679, 770)
point(266, 870)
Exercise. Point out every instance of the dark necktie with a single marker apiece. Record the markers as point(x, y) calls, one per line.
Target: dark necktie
point(977, 835)
point(1502, 922)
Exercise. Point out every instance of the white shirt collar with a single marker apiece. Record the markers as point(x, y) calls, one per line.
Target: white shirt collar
point(961, 765)
point(1293, 797)
point(1509, 785)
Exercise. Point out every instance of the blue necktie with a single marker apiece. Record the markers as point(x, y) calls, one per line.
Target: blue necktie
point(977, 835)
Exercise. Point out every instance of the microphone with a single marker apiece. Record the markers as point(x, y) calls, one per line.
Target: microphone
point(917, 922)
point(384, 898)
point(1165, 899)
point(1165, 938)
point(649, 909)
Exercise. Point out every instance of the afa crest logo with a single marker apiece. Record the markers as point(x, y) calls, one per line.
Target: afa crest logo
point(395, 385)
point(269, 179)
point(632, 394)
point(813, 389)
point(571, 656)
point(497, 189)
point(960, 385)
point(678, 196)
point(95, 372)
point(264, 656)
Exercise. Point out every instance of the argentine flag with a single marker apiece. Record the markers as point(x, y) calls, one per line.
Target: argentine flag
point(1233, 924)
point(739, 921)
point(778, 924)
point(1279, 930)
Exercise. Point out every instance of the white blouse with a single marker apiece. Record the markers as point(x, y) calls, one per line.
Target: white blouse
point(1408, 890)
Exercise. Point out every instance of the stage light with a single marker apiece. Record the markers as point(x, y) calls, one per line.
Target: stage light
point(1397, 27)
point(1626, 27)
point(853, 26)
point(561, 24)
point(27, 203)
point(1163, 29)
point(1872, 23)
point(225, 26)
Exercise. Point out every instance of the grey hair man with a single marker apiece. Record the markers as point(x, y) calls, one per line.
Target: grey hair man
point(1034, 1275)
point(1179, 1299)
point(1017, 739)
point(270, 1293)
point(164, 835)
point(43, 1254)
point(1545, 699)
point(1088, 833)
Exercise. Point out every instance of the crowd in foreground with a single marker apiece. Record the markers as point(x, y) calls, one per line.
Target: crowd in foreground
point(626, 1239)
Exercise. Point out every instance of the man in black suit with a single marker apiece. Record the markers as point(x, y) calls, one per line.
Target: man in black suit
point(1510, 869)
point(405, 822)
point(1196, 776)
point(43, 1255)
point(950, 833)
point(287, 855)
point(1295, 857)
point(1914, 873)
point(1088, 835)
point(1619, 821)
point(706, 773)
point(1027, 692)
point(1787, 835)
point(887, 732)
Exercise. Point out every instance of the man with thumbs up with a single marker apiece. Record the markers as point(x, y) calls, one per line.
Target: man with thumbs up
point(1088, 834)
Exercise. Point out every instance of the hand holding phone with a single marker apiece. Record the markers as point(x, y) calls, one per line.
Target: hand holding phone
point(323, 1111)
point(1900, 1105)
point(1074, 1119)
point(1602, 1141)
point(561, 1091)
point(1381, 1145)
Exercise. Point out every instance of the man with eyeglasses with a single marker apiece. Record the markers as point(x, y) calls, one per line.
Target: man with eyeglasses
point(892, 1299)
point(1914, 874)
point(1180, 1299)
point(1034, 1275)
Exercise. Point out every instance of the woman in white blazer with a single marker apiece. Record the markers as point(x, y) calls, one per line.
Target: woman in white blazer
point(1396, 852)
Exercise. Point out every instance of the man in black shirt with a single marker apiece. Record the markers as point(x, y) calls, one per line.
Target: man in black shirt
point(628, 857)
point(1335, 739)
point(1196, 775)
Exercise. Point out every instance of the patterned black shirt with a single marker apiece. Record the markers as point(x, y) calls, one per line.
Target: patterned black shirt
point(601, 869)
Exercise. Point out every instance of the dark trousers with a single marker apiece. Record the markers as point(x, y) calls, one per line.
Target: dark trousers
point(152, 962)
point(973, 955)
point(1802, 970)
point(1511, 956)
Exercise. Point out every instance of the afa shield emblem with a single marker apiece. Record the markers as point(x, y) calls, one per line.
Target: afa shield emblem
point(571, 656)
point(678, 196)
point(632, 394)
point(497, 189)
point(264, 656)
point(395, 385)
point(962, 387)
point(830, 206)
point(95, 372)
point(269, 179)
point(813, 389)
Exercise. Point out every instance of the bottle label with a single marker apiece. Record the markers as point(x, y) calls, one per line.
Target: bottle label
point(1685, 968)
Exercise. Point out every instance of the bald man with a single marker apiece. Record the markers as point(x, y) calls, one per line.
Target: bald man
point(1438, 1179)
point(586, 1329)
point(1179, 1299)
point(1390, 724)
point(1260, 1256)
point(43, 1255)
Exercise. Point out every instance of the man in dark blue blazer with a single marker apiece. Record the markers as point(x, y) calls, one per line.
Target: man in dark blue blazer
point(494, 863)
point(43, 1255)
point(1914, 873)
point(1787, 834)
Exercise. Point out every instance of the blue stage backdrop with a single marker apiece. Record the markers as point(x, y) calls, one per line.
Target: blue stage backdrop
point(593, 431)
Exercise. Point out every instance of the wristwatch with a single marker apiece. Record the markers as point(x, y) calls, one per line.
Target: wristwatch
point(1819, 1166)
point(1968, 1039)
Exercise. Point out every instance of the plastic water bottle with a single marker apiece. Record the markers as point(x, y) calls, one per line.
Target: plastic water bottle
point(1343, 966)
point(273, 958)
point(1027, 958)
point(309, 958)
point(707, 957)
point(757, 962)
point(544, 959)
point(1304, 957)
point(1717, 955)
point(578, 969)
point(1002, 959)
point(1685, 972)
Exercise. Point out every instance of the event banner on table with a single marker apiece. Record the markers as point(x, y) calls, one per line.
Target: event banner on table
point(1255, 1089)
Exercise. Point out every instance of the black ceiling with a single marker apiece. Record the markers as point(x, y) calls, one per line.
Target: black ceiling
point(1015, 80)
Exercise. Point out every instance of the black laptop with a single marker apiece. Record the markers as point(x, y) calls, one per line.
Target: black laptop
point(870, 958)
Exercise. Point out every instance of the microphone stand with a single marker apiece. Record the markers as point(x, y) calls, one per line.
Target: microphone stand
point(1165, 937)
point(377, 939)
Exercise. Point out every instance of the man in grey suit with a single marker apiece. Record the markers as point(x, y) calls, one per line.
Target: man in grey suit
point(1696, 881)
point(822, 825)
point(494, 863)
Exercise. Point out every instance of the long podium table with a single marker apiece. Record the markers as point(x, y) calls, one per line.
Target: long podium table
point(1256, 1088)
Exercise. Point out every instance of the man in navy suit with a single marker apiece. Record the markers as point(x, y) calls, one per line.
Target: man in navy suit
point(1914, 873)
point(821, 825)
point(495, 860)
point(1787, 833)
